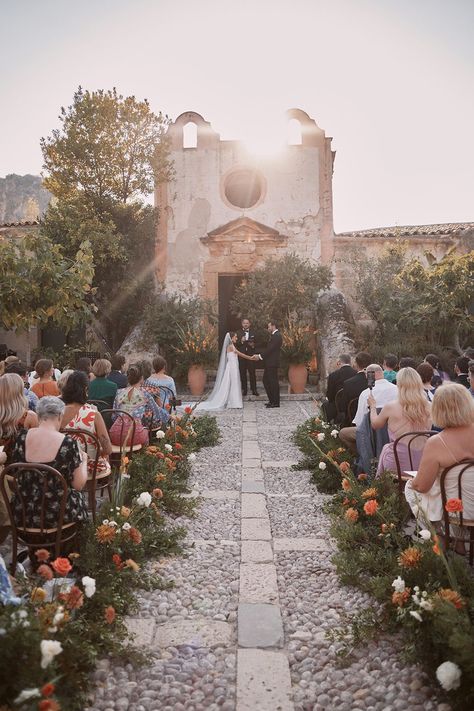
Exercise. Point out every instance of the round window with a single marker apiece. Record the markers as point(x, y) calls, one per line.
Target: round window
point(244, 187)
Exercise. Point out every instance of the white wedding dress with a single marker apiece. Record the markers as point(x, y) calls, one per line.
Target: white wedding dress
point(227, 391)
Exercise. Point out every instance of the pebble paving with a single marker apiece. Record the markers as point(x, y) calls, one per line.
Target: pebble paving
point(244, 627)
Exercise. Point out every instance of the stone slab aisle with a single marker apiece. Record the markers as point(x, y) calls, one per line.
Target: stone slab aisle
point(244, 627)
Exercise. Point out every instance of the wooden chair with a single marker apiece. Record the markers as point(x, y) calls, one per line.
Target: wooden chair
point(127, 435)
point(43, 537)
point(407, 440)
point(452, 483)
point(102, 405)
point(351, 410)
point(96, 481)
point(339, 404)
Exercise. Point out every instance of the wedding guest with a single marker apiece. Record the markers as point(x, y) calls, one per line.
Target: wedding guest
point(407, 362)
point(426, 372)
point(45, 444)
point(461, 369)
point(85, 365)
point(158, 380)
point(45, 385)
point(21, 370)
point(140, 405)
point(453, 411)
point(9, 360)
point(353, 386)
point(33, 377)
point(336, 381)
point(101, 388)
point(390, 362)
point(147, 368)
point(117, 374)
point(64, 378)
point(409, 412)
point(439, 376)
point(81, 415)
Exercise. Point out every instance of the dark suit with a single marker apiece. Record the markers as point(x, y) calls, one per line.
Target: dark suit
point(246, 366)
point(271, 362)
point(352, 388)
point(336, 380)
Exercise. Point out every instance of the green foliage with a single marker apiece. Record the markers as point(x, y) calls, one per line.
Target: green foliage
point(40, 283)
point(418, 307)
point(109, 148)
point(281, 289)
point(207, 431)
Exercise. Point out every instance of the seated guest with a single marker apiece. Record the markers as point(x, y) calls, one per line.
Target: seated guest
point(64, 378)
point(47, 445)
point(21, 370)
point(389, 364)
point(85, 365)
point(81, 415)
point(9, 360)
point(159, 380)
point(45, 385)
point(33, 377)
point(147, 368)
point(439, 376)
point(407, 362)
point(453, 411)
point(101, 388)
point(353, 386)
point(140, 405)
point(336, 380)
point(469, 353)
point(426, 372)
point(383, 392)
point(117, 374)
point(410, 412)
point(461, 368)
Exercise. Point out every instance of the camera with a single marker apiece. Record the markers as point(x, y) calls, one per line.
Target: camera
point(370, 379)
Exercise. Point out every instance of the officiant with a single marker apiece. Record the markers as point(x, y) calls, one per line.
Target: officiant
point(246, 344)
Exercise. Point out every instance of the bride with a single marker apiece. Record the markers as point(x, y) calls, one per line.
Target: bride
point(227, 390)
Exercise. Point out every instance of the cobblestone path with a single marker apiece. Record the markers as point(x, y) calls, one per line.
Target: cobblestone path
point(243, 629)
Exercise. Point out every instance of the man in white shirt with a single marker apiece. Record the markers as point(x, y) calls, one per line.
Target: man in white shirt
point(383, 392)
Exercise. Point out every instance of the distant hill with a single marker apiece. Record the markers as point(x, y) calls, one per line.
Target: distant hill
point(22, 197)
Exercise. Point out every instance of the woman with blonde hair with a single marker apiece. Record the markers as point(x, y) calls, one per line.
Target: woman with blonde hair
point(453, 411)
point(410, 412)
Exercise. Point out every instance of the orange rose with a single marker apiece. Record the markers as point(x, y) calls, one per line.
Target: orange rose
point(42, 555)
point(47, 690)
point(45, 572)
point(351, 515)
point(188, 410)
point(125, 511)
point(346, 484)
point(129, 563)
point(400, 598)
point(158, 493)
point(362, 476)
point(109, 614)
point(345, 467)
point(135, 535)
point(370, 507)
point(178, 445)
point(454, 506)
point(62, 566)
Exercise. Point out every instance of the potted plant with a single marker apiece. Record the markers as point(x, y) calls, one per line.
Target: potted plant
point(196, 351)
point(297, 352)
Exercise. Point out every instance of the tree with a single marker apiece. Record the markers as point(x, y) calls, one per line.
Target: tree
point(39, 285)
point(282, 288)
point(110, 148)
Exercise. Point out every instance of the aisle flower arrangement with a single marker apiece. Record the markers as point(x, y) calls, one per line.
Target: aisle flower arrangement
point(420, 590)
point(69, 612)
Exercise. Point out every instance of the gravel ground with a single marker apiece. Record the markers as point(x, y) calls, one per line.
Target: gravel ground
point(297, 517)
point(280, 480)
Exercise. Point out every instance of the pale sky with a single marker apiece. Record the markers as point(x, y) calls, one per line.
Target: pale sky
point(391, 80)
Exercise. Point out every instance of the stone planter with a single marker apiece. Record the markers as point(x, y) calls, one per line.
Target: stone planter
point(297, 377)
point(197, 379)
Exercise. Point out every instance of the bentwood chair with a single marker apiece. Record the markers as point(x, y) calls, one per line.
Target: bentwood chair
point(351, 410)
point(339, 404)
point(127, 434)
point(457, 482)
point(96, 481)
point(407, 440)
point(43, 536)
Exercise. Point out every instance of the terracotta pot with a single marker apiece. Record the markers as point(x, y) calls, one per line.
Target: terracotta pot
point(197, 379)
point(298, 377)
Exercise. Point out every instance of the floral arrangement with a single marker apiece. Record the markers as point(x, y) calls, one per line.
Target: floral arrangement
point(297, 344)
point(196, 347)
point(70, 610)
point(421, 590)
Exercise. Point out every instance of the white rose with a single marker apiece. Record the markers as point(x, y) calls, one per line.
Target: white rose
point(112, 524)
point(50, 648)
point(416, 615)
point(89, 585)
point(398, 585)
point(26, 695)
point(191, 457)
point(105, 522)
point(425, 534)
point(334, 433)
point(426, 605)
point(160, 434)
point(322, 466)
point(449, 675)
point(126, 526)
point(144, 499)
point(168, 448)
point(321, 436)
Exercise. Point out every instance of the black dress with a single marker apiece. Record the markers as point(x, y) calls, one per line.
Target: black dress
point(67, 459)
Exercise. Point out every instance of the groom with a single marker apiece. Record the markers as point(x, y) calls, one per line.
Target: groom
point(271, 361)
